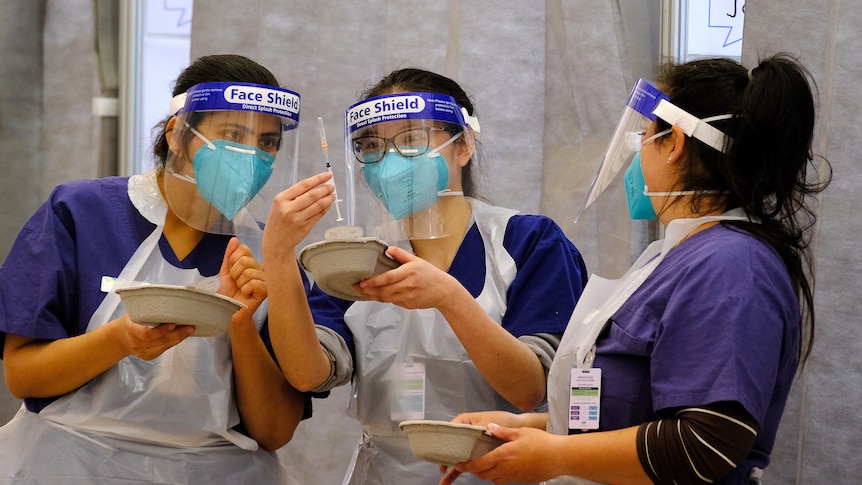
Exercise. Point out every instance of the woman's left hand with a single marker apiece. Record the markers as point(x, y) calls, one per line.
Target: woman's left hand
point(415, 284)
point(242, 277)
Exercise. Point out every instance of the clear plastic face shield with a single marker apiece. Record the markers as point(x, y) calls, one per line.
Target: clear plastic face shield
point(646, 103)
point(626, 140)
point(233, 147)
point(402, 151)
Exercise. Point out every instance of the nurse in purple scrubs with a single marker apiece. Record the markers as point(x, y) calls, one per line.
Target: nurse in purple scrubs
point(107, 400)
point(679, 371)
point(472, 317)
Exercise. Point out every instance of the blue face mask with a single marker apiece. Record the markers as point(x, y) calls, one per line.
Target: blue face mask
point(406, 185)
point(229, 175)
point(639, 204)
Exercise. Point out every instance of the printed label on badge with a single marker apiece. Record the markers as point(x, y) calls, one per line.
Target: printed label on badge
point(584, 399)
point(409, 395)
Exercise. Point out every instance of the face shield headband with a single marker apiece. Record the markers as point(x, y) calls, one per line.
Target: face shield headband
point(693, 126)
point(248, 153)
point(255, 98)
point(408, 106)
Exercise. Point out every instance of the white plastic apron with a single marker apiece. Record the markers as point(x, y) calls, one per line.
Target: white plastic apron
point(182, 399)
point(600, 299)
point(388, 337)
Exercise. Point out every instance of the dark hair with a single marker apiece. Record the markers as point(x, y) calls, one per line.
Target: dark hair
point(765, 168)
point(422, 81)
point(213, 68)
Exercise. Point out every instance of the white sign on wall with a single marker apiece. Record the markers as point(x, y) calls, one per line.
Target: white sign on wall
point(713, 28)
point(157, 45)
point(169, 17)
point(166, 47)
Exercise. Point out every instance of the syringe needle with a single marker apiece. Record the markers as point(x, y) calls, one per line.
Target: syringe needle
point(325, 147)
point(323, 143)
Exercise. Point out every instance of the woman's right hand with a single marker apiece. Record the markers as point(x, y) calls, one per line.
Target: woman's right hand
point(46, 368)
point(147, 343)
point(295, 211)
point(485, 418)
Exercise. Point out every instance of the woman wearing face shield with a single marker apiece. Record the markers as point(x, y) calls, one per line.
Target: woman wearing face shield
point(107, 400)
point(679, 371)
point(458, 326)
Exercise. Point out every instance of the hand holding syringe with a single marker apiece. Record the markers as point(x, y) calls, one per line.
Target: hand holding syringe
point(325, 148)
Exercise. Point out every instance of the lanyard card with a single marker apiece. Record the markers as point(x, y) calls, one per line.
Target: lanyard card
point(409, 392)
point(585, 398)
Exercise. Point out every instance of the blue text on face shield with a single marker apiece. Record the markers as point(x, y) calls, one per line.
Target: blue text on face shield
point(407, 103)
point(247, 94)
point(400, 104)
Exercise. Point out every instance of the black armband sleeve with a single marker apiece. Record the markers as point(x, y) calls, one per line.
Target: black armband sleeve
point(699, 445)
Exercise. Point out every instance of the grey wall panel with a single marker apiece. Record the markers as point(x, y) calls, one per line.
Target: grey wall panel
point(48, 134)
point(820, 433)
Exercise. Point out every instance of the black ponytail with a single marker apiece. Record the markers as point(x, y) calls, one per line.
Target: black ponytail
point(765, 168)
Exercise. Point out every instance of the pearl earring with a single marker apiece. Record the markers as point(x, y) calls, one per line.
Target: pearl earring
point(668, 159)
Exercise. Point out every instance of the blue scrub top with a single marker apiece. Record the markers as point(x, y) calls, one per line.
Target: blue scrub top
point(551, 275)
point(50, 282)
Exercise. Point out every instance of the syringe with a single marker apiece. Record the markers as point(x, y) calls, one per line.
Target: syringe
point(325, 148)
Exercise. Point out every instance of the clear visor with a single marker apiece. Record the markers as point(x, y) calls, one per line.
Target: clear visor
point(228, 161)
point(626, 140)
point(400, 159)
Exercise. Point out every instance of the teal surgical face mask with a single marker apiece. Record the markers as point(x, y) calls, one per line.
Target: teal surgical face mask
point(251, 132)
point(637, 192)
point(640, 207)
point(407, 185)
point(229, 175)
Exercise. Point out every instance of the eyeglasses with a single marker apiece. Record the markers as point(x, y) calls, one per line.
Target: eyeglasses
point(409, 143)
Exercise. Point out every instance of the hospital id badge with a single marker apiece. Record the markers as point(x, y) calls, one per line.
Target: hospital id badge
point(409, 392)
point(584, 399)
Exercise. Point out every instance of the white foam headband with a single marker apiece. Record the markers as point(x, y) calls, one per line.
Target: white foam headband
point(693, 126)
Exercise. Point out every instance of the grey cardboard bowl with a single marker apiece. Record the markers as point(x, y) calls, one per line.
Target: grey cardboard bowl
point(151, 304)
point(337, 264)
point(446, 443)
